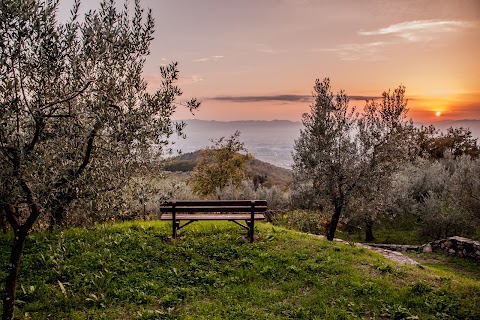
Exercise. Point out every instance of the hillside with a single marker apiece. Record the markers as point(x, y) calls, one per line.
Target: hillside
point(269, 141)
point(132, 271)
point(274, 175)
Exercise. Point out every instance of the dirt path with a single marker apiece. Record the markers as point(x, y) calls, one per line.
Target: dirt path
point(392, 255)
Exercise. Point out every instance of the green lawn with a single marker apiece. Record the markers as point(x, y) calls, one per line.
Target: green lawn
point(133, 271)
point(385, 235)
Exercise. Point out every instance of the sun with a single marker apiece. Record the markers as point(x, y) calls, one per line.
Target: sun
point(438, 113)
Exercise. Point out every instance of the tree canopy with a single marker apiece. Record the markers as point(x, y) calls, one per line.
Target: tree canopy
point(457, 141)
point(219, 166)
point(342, 155)
point(76, 119)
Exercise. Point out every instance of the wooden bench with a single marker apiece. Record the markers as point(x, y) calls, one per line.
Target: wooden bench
point(230, 210)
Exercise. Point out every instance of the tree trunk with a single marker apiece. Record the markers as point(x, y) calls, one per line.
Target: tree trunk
point(56, 217)
point(3, 222)
point(369, 230)
point(332, 226)
point(59, 209)
point(12, 274)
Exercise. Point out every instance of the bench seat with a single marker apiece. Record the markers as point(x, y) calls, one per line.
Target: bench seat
point(228, 217)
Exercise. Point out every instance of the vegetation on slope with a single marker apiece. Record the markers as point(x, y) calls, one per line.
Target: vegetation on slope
point(133, 271)
point(271, 174)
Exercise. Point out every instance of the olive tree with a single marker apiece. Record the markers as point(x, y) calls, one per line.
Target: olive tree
point(442, 195)
point(385, 138)
point(433, 144)
point(219, 166)
point(75, 117)
point(326, 154)
point(344, 159)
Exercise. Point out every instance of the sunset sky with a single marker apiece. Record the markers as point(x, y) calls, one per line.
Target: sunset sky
point(258, 59)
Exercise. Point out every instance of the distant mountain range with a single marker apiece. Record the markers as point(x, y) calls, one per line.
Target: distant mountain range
point(271, 141)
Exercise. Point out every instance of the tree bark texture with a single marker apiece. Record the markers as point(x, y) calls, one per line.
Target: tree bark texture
point(332, 226)
point(12, 274)
point(369, 230)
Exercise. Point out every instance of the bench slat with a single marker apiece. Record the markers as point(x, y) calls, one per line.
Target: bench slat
point(215, 203)
point(168, 216)
point(213, 209)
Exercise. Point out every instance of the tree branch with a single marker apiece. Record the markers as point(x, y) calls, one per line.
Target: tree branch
point(88, 152)
point(73, 174)
point(39, 125)
point(68, 98)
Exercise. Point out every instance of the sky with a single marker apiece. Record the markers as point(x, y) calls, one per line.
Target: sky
point(258, 59)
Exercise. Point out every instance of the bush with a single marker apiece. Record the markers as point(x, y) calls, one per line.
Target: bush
point(442, 219)
point(442, 194)
point(306, 221)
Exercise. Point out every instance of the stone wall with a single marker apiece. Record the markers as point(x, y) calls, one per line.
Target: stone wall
point(458, 246)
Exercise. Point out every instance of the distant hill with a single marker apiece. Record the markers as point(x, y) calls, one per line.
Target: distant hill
point(273, 175)
point(269, 141)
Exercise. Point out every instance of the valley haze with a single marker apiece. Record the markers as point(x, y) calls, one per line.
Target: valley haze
point(270, 141)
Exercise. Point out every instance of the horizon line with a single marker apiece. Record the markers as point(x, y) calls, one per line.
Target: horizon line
point(289, 120)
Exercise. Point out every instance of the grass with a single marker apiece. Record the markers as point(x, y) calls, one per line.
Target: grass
point(385, 235)
point(133, 271)
point(449, 266)
point(401, 231)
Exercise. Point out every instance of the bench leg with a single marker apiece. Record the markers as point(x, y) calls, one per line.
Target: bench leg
point(175, 227)
point(251, 229)
point(252, 221)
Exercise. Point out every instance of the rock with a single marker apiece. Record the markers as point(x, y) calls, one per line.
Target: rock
point(451, 251)
point(427, 248)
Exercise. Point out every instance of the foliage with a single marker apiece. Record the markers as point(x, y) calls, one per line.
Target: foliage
point(308, 221)
point(277, 200)
point(262, 173)
point(73, 101)
point(385, 143)
point(244, 191)
point(176, 187)
point(325, 157)
point(442, 194)
point(76, 121)
point(456, 141)
point(220, 166)
point(344, 160)
point(130, 271)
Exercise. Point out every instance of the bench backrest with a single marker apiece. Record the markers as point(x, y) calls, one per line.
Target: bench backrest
point(213, 206)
